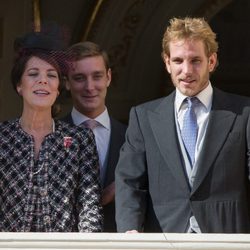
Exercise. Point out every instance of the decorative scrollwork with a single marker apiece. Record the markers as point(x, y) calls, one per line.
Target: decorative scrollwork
point(210, 8)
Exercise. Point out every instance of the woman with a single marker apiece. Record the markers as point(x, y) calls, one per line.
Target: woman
point(49, 174)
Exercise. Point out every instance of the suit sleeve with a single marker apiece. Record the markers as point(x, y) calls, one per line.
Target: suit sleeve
point(90, 218)
point(248, 146)
point(131, 179)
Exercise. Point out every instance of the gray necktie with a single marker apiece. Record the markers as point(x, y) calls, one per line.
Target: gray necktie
point(90, 123)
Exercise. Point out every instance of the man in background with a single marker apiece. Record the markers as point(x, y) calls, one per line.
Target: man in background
point(88, 79)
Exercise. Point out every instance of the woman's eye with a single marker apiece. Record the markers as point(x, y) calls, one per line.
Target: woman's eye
point(52, 75)
point(33, 74)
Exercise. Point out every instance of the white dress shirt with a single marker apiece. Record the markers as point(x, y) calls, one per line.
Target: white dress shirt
point(102, 136)
point(202, 112)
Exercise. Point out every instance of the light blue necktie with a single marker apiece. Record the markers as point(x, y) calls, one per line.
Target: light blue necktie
point(190, 128)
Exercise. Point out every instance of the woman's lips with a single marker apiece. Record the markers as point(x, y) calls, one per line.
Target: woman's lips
point(41, 92)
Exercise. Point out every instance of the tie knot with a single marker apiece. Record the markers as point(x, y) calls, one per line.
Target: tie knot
point(192, 101)
point(90, 123)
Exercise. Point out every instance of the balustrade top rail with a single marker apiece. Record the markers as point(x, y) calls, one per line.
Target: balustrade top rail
point(73, 241)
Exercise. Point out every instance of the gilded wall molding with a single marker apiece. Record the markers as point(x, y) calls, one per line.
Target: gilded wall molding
point(92, 19)
point(36, 15)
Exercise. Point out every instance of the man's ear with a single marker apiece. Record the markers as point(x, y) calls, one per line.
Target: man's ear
point(166, 60)
point(67, 84)
point(109, 76)
point(212, 62)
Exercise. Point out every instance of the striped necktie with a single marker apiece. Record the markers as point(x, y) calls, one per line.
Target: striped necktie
point(90, 123)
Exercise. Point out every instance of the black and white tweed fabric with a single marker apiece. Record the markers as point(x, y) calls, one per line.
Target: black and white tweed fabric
point(60, 192)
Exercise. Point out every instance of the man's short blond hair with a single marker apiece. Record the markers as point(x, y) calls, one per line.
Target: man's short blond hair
point(190, 28)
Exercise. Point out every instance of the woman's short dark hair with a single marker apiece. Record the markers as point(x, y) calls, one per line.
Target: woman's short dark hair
point(41, 46)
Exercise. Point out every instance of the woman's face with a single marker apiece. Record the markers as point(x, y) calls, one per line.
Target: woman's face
point(39, 84)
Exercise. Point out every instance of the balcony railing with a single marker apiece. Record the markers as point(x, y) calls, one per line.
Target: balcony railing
point(73, 241)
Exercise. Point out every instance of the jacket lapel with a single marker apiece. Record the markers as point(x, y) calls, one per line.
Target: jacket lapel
point(117, 138)
point(162, 122)
point(220, 122)
point(68, 118)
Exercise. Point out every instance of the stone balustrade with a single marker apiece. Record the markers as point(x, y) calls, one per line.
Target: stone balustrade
point(117, 241)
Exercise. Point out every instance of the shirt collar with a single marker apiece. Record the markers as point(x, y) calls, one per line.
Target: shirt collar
point(205, 97)
point(79, 118)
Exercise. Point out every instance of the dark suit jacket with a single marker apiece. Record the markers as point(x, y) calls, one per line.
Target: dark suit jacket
point(116, 140)
point(152, 190)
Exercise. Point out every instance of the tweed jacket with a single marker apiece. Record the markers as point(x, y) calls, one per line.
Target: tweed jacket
point(117, 138)
point(60, 191)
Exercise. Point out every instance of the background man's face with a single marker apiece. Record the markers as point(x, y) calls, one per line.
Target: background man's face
point(88, 81)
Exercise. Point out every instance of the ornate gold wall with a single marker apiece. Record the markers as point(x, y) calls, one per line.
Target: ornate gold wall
point(131, 32)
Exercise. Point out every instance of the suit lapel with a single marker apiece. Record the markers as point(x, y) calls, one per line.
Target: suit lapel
point(113, 153)
point(68, 119)
point(162, 122)
point(220, 122)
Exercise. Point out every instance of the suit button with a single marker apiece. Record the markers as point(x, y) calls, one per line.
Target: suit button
point(193, 197)
point(66, 215)
point(46, 219)
point(66, 200)
point(29, 218)
point(43, 192)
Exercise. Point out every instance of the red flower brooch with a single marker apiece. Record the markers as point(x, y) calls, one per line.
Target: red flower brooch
point(67, 141)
